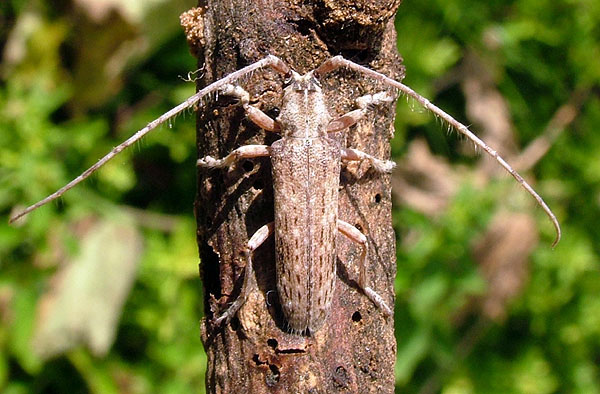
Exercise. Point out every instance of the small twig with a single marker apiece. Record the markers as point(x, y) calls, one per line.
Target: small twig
point(564, 116)
point(153, 220)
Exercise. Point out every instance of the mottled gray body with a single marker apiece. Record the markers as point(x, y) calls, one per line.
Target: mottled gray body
point(306, 168)
point(306, 164)
point(306, 194)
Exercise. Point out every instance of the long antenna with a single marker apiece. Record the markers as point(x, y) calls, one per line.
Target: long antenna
point(269, 61)
point(339, 61)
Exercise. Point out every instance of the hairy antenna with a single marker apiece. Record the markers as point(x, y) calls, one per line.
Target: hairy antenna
point(339, 61)
point(269, 61)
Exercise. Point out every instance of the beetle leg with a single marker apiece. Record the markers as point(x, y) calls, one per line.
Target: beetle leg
point(356, 236)
point(243, 152)
point(364, 104)
point(351, 118)
point(259, 237)
point(385, 166)
point(257, 116)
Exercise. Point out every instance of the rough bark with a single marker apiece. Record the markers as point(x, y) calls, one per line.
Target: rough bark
point(355, 350)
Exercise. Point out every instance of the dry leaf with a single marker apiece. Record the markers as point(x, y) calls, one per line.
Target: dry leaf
point(86, 296)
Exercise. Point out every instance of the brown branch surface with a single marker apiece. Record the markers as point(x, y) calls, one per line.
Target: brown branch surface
point(355, 351)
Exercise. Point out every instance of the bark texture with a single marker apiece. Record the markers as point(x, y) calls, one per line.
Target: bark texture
point(355, 350)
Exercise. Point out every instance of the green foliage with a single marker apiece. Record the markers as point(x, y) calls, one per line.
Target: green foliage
point(540, 56)
point(72, 89)
point(75, 83)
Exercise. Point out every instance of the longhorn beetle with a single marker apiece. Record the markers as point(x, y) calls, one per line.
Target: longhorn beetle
point(305, 168)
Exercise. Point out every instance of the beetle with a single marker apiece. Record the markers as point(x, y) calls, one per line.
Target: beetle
point(306, 167)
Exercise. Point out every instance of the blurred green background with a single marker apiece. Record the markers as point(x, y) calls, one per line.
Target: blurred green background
point(484, 305)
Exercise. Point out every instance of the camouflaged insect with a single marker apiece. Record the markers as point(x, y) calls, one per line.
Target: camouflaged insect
point(306, 168)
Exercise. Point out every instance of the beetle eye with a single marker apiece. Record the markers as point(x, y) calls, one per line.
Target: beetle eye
point(274, 112)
